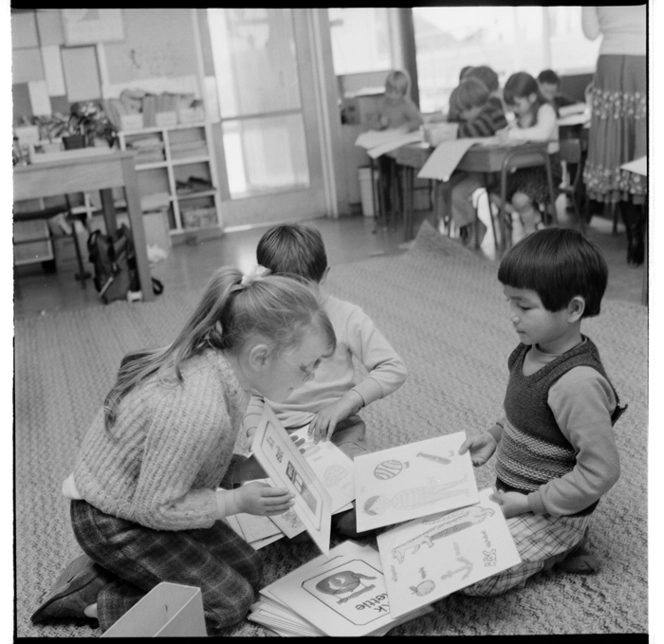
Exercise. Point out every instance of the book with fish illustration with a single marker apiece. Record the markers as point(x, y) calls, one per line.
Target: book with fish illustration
point(432, 557)
point(411, 481)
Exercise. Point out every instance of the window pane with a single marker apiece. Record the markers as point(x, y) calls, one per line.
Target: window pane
point(265, 155)
point(360, 40)
point(571, 51)
point(508, 39)
point(256, 44)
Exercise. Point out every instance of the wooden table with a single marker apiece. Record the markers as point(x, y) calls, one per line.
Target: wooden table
point(484, 159)
point(86, 174)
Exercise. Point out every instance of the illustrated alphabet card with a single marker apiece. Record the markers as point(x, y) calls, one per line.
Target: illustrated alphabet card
point(429, 558)
point(287, 467)
point(412, 481)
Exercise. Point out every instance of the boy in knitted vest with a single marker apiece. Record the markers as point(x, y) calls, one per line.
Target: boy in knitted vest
point(555, 449)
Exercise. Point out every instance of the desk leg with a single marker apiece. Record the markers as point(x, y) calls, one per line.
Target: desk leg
point(137, 229)
point(109, 211)
point(408, 205)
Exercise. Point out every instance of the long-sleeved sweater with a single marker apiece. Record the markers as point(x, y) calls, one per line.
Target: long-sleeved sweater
point(582, 402)
point(486, 123)
point(357, 338)
point(401, 113)
point(623, 28)
point(546, 129)
point(173, 443)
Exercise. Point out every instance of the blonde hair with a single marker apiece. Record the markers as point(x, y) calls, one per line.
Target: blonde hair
point(277, 308)
point(398, 80)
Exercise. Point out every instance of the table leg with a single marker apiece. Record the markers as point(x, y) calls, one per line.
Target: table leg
point(108, 208)
point(137, 229)
point(446, 203)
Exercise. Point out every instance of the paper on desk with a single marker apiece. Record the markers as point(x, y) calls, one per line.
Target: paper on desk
point(576, 108)
point(379, 142)
point(639, 166)
point(445, 158)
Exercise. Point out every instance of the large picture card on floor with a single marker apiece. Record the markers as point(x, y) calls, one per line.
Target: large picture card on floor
point(412, 481)
point(287, 467)
point(430, 558)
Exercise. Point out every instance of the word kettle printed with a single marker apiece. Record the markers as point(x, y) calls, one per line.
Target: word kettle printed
point(354, 590)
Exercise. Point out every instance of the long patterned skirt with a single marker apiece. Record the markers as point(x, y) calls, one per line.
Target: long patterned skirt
point(618, 129)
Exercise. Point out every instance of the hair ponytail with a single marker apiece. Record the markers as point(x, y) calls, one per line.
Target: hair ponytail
point(232, 308)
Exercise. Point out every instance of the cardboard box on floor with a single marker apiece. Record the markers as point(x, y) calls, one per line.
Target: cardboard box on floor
point(168, 610)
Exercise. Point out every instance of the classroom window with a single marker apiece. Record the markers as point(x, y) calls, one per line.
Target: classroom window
point(509, 39)
point(256, 67)
point(360, 40)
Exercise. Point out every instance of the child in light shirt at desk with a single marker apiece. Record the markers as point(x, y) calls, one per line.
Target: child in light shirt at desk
point(331, 397)
point(536, 120)
point(478, 116)
point(396, 111)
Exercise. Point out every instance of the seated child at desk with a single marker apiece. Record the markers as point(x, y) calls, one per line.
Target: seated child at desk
point(556, 453)
point(549, 86)
point(332, 395)
point(395, 111)
point(478, 116)
point(536, 120)
point(489, 77)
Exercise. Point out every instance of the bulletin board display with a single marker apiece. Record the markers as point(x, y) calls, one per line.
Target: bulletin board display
point(153, 48)
point(89, 26)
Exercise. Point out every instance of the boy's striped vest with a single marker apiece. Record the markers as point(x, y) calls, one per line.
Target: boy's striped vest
point(534, 450)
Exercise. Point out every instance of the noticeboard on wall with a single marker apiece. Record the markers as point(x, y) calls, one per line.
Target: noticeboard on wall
point(89, 26)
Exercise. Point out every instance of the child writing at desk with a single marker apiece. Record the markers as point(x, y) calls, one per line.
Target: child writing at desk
point(554, 443)
point(396, 111)
point(330, 399)
point(536, 120)
point(478, 116)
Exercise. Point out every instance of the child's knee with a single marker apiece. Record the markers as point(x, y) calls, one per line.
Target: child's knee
point(228, 608)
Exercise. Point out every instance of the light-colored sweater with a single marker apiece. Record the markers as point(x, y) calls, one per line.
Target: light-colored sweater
point(401, 113)
point(582, 402)
point(623, 28)
point(546, 129)
point(173, 444)
point(357, 339)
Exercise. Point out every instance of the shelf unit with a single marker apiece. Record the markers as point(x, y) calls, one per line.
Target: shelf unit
point(177, 173)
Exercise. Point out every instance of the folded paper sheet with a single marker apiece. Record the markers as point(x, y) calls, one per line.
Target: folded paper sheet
point(412, 481)
point(379, 142)
point(640, 166)
point(445, 158)
point(432, 557)
point(287, 467)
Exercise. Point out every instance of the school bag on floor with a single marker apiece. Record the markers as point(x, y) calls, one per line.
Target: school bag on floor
point(114, 261)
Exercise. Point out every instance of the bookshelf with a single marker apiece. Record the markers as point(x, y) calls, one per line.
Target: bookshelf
point(177, 175)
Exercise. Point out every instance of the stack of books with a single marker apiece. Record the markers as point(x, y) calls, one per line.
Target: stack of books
point(149, 148)
point(188, 149)
point(343, 594)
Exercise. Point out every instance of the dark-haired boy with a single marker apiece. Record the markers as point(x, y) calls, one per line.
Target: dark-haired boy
point(556, 453)
point(549, 86)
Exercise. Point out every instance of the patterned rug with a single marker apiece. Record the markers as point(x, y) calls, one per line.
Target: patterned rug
point(443, 310)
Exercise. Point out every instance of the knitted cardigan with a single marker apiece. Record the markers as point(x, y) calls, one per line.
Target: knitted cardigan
point(168, 449)
point(535, 451)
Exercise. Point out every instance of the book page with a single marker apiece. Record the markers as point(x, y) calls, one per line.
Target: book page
point(432, 557)
point(287, 467)
point(412, 481)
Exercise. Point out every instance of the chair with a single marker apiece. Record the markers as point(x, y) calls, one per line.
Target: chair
point(571, 153)
point(523, 156)
point(53, 211)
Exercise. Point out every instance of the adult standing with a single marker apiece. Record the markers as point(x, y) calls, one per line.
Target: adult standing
point(618, 127)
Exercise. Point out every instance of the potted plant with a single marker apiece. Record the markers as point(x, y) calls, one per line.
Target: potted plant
point(88, 123)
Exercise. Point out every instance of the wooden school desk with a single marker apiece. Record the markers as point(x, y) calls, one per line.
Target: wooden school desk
point(485, 159)
point(86, 174)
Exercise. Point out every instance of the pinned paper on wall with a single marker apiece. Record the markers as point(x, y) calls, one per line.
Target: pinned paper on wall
point(81, 73)
point(39, 98)
point(55, 78)
point(412, 481)
point(89, 26)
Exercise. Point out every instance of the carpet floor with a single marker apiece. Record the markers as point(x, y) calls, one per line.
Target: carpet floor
point(443, 310)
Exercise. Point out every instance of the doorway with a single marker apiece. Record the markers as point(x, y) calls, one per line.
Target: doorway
point(272, 130)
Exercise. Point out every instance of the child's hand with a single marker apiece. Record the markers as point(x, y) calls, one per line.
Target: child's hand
point(325, 421)
point(263, 500)
point(502, 135)
point(383, 122)
point(511, 503)
point(481, 446)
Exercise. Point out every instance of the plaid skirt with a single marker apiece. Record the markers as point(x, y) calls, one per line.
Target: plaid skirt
point(539, 538)
point(533, 181)
point(618, 129)
point(216, 560)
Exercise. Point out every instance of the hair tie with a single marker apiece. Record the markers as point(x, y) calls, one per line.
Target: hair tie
point(254, 275)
